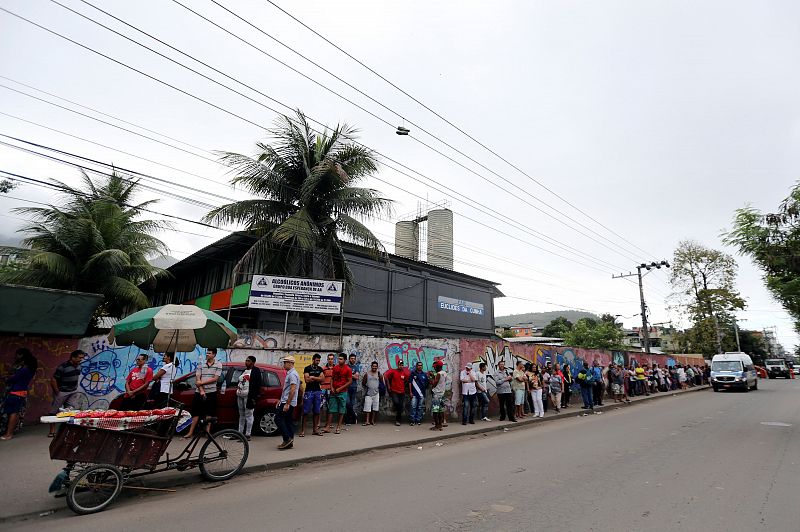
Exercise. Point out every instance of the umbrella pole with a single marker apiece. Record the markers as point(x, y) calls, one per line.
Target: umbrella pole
point(174, 359)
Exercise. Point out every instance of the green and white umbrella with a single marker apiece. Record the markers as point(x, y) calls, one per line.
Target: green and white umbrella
point(173, 328)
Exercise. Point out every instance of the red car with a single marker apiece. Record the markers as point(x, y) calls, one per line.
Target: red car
point(272, 379)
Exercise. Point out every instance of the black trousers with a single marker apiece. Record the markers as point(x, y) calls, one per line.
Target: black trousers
point(565, 397)
point(597, 392)
point(506, 401)
point(398, 402)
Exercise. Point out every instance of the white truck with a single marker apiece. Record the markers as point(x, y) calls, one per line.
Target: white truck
point(776, 367)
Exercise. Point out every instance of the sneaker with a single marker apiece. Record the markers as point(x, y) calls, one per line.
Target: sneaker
point(285, 445)
point(396, 423)
point(411, 424)
point(486, 419)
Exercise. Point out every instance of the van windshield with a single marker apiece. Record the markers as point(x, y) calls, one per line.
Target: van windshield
point(776, 362)
point(726, 365)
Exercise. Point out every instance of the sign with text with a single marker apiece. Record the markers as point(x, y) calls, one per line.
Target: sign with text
point(459, 305)
point(295, 295)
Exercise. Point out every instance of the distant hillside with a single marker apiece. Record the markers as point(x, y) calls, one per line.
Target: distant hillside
point(540, 319)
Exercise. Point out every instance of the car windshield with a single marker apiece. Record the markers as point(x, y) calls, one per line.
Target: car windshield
point(726, 365)
point(775, 362)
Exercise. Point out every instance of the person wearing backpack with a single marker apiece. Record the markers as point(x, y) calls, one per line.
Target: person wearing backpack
point(585, 381)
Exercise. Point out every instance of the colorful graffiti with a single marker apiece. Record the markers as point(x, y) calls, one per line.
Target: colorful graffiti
point(410, 355)
point(255, 340)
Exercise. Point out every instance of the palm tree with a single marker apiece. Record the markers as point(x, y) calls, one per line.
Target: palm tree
point(93, 242)
point(307, 198)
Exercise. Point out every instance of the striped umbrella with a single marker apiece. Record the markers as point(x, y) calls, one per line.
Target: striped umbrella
point(173, 328)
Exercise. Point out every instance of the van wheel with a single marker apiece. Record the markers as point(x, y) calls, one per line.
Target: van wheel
point(264, 424)
point(715, 388)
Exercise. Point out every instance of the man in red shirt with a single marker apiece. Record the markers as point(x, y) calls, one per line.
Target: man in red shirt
point(341, 377)
point(397, 382)
point(136, 385)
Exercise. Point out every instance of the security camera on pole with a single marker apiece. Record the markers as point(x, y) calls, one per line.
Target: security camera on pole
point(639, 268)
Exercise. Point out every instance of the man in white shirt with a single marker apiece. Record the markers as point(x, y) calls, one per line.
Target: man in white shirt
point(468, 394)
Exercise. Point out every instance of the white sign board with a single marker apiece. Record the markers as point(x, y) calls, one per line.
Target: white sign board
point(459, 305)
point(295, 295)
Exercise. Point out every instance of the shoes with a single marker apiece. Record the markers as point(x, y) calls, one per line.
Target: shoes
point(248, 438)
point(486, 419)
point(396, 423)
point(411, 424)
point(463, 422)
point(513, 420)
point(503, 419)
point(286, 445)
point(471, 422)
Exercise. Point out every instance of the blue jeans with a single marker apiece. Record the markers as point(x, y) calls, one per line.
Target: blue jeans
point(417, 409)
point(586, 395)
point(483, 402)
point(468, 414)
point(350, 416)
point(285, 422)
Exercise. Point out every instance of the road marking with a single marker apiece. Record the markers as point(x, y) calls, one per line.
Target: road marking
point(502, 508)
point(776, 424)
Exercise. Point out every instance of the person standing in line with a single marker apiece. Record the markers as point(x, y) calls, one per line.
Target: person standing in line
point(312, 397)
point(483, 391)
point(567, 395)
point(641, 380)
point(556, 386)
point(283, 414)
point(371, 382)
point(64, 385)
point(544, 375)
point(352, 391)
point(505, 395)
point(341, 378)
point(247, 390)
point(468, 393)
point(325, 386)
point(518, 385)
point(136, 385)
point(397, 382)
point(205, 397)
point(17, 384)
point(617, 382)
point(597, 383)
point(418, 385)
point(535, 382)
point(437, 392)
point(585, 381)
point(162, 381)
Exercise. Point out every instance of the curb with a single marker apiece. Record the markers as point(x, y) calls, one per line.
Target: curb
point(281, 464)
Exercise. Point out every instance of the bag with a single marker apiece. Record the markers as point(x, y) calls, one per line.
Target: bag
point(381, 385)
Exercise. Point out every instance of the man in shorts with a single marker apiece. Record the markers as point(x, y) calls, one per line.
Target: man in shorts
point(371, 382)
point(205, 397)
point(312, 398)
point(64, 384)
point(325, 386)
point(341, 377)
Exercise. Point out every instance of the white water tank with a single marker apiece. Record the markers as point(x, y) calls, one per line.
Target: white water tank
point(406, 239)
point(440, 238)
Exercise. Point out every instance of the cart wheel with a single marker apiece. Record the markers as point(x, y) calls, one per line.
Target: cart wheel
point(223, 455)
point(94, 488)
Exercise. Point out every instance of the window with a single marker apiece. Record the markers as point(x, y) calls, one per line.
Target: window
point(271, 380)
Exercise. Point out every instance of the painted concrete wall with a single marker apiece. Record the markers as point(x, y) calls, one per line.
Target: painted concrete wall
point(106, 366)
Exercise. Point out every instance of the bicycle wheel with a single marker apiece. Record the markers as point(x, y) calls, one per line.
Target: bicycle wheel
point(223, 455)
point(94, 489)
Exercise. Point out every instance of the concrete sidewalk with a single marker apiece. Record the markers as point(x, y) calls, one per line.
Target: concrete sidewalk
point(28, 470)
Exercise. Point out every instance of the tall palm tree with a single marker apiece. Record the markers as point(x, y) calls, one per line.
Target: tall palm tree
point(93, 242)
point(307, 199)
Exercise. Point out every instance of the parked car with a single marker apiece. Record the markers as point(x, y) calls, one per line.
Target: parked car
point(776, 367)
point(272, 379)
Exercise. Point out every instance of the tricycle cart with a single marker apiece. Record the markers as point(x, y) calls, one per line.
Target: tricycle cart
point(101, 460)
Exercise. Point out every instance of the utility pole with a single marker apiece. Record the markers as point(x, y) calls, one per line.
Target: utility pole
point(639, 268)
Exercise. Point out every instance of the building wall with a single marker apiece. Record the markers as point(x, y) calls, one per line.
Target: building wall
point(106, 366)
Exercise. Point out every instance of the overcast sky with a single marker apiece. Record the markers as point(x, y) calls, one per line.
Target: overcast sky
point(654, 121)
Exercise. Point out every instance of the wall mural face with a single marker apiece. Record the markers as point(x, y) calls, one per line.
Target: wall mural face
point(106, 366)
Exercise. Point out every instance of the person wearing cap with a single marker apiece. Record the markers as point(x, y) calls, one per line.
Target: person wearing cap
point(341, 377)
point(283, 414)
point(438, 384)
point(397, 382)
point(468, 395)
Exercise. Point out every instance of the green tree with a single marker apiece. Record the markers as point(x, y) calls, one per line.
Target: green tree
point(754, 345)
point(703, 281)
point(772, 241)
point(591, 334)
point(509, 333)
point(557, 328)
point(307, 199)
point(93, 242)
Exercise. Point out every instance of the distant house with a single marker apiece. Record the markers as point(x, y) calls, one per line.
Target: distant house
point(13, 255)
point(526, 330)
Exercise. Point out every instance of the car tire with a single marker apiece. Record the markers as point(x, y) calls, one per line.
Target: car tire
point(716, 389)
point(264, 424)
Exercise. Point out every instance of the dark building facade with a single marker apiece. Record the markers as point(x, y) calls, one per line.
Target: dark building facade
point(391, 295)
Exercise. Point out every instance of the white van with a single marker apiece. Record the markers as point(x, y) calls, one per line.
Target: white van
point(733, 370)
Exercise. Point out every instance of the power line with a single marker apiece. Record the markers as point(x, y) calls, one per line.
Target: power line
point(459, 129)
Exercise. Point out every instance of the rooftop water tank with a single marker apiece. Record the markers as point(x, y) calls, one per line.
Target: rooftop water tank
point(406, 239)
point(440, 238)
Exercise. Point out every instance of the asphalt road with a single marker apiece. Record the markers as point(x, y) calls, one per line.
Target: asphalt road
point(702, 461)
